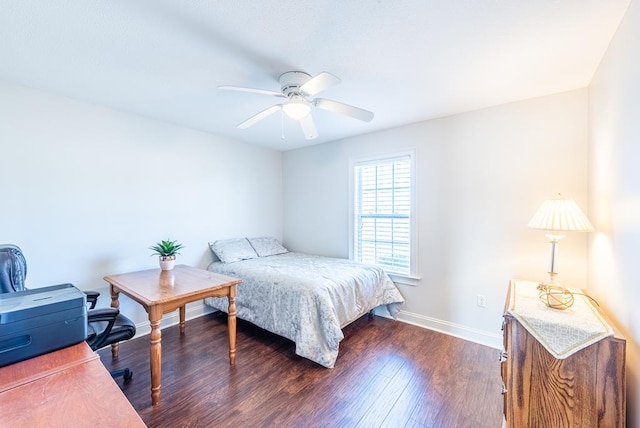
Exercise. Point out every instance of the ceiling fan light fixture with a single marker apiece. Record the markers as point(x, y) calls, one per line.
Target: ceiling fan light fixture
point(296, 88)
point(296, 107)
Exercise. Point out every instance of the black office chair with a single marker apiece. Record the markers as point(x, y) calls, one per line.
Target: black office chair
point(105, 325)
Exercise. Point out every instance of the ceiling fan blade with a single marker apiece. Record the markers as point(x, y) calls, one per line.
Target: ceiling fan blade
point(319, 83)
point(308, 127)
point(258, 117)
point(252, 90)
point(342, 108)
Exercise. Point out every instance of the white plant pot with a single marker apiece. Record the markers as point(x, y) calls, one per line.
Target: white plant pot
point(167, 262)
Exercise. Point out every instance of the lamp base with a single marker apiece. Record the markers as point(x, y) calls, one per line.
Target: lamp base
point(553, 279)
point(555, 296)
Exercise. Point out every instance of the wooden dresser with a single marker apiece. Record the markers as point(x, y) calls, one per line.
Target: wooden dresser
point(585, 389)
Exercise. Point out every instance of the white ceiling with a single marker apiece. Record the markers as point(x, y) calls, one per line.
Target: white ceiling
point(405, 60)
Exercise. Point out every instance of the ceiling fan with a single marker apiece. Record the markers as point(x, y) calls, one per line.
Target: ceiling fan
point(298, 87)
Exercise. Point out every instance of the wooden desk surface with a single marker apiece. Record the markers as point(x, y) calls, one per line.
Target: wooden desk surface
point(65, 388)
point(172, 288)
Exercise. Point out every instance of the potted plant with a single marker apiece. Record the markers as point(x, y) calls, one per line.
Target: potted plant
point(167, 251)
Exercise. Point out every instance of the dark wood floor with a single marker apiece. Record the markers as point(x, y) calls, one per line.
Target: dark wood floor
point(388, 374)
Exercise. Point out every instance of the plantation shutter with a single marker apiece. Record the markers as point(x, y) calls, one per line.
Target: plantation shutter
point(382, 211)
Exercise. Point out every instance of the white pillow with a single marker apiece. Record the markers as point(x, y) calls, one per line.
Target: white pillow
point(267, 246)
point(233, 250)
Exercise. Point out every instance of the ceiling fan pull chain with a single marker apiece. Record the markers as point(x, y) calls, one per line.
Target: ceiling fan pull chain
point(282, 124)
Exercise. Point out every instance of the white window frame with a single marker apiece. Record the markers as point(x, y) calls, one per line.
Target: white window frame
point(412, 278)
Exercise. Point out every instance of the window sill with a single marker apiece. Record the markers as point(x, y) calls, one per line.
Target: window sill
point(402, 279)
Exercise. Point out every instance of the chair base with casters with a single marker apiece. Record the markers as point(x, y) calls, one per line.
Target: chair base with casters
point(126, 374)
point(105, 325)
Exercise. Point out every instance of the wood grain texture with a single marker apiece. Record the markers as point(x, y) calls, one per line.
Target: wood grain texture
point(66, 388)
point(388, 374)
point(586, 389)
point(171, 289)
point(32, 369)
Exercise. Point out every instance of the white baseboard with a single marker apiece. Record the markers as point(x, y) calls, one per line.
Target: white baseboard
point(482, 337)
point(460, 331)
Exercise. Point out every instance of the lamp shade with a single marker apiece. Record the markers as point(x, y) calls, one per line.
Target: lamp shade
point(560, 214)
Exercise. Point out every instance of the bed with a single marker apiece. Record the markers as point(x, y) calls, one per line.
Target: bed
point(305, 298)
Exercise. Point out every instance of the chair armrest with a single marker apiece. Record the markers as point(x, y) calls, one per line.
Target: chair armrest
point(102, 314)
point(99, 333)
point(92, 298)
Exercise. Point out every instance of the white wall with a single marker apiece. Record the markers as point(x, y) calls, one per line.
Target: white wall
point(614, 191)
point(481, 176)
point(86, 190)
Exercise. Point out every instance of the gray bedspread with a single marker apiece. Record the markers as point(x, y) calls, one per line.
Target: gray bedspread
point(307, 299)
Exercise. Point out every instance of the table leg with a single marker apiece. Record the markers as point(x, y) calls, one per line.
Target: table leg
point(232, 325)
point(182, 316)
point(115, 303)
point(155, 315)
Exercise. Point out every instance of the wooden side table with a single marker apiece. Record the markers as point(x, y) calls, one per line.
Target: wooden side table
point(160, 292)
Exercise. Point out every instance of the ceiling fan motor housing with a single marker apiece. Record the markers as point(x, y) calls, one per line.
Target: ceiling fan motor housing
point(291, 81)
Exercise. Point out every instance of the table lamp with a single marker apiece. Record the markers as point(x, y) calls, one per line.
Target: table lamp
point(558, 216)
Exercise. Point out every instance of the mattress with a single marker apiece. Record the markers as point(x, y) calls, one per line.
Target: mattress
point(307, 298)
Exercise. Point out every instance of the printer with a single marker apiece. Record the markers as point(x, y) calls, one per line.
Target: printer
point(40, 320)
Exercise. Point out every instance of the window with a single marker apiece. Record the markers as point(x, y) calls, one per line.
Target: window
point(383, 213)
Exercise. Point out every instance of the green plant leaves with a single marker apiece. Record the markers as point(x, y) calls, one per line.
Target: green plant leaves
point(166, 248)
